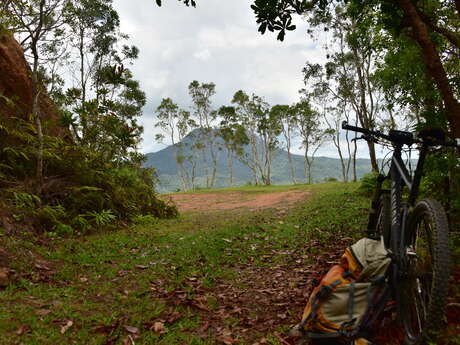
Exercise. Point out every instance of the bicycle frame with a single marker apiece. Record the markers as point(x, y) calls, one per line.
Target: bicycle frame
point(400, 177)
point(396, 218)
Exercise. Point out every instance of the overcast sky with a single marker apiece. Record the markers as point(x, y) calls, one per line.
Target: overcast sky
point(215, 42)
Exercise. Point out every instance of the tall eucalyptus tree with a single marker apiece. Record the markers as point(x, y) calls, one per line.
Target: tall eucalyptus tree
point(205, 117)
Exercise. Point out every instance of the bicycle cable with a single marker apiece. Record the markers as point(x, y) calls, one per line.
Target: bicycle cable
point(386, 161)
point(408, 153)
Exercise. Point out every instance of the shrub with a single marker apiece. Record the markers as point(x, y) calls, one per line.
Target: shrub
point(145, 220)
point(442, 181)
point(50, 216)
point(368, 183)
point(82, 189)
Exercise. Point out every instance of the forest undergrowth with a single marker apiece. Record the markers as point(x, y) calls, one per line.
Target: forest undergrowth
point(82, 191)
point(225, 277)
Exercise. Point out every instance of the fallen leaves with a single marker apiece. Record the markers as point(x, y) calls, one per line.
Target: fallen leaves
point(227, 340)
point(131, 329)
point(42, 312)
point(42, 266)
point(66, 326)
point(158, 327)
point(129, 341)
point(23, 329)
point(259, 301)
point(4, 277)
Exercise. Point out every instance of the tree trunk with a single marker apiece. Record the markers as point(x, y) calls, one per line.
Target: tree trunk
point(269, 168)
point(374, 164)
point(255, 158)
point(214, 162)
point(350, 158)
point(37, 118)
point(38, 122)
point(355, 150)
point(291, 165)
point(307, 168)
point(193, 163)
point(230, 165)
point(433, 63)
point(205, 165)
point(83, 116)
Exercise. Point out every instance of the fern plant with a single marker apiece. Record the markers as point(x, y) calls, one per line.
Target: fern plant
point(102, 218)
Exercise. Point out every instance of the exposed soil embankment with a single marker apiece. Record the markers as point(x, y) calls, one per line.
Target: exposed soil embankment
point(16, 88)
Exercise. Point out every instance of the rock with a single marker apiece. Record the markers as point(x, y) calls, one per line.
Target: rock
point(16, 86)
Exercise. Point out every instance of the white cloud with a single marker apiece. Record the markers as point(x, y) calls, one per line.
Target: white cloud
point(203, 55)
point(216, 42)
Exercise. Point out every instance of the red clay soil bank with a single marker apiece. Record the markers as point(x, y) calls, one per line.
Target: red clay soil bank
point(16, 85)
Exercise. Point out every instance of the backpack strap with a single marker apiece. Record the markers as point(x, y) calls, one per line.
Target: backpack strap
point(323, 335)
point(324, 292)
point(351, 301)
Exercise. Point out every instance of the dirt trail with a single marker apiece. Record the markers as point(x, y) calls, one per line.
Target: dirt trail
point(238, 200)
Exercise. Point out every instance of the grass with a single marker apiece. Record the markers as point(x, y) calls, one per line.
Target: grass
point(254, 189)
point(104, 282)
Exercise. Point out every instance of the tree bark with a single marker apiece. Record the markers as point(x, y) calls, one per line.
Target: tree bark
point(230, 165)
point(291, 165)
point(35, 96)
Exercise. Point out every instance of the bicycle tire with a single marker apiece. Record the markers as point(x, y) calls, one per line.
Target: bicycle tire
point(424, 289)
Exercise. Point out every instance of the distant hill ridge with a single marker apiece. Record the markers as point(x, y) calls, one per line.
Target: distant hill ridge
point(169, 179)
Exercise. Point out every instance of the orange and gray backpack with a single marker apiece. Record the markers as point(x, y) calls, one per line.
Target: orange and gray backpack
point(341, 305)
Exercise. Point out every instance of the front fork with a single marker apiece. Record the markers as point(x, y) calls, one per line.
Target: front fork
point(371, 231)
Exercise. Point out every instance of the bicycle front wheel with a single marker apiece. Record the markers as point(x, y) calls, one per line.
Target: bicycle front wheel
point(425, 285)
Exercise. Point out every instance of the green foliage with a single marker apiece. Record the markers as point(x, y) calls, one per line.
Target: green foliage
point(50, 216)
point(368, 184)
point(102, 218)
point(80, 223)
point(145, 220)
point(63, 230)
point(26, 200)
point(384, 28)
point(85, 189)
point(442, 181)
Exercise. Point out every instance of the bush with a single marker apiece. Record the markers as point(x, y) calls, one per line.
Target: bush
point(368, 183)
point(442, 182)
point(145, 220)
point(82, 189)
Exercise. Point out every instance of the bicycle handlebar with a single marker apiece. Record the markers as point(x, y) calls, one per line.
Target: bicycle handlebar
point(365, 131)
point(430, 138)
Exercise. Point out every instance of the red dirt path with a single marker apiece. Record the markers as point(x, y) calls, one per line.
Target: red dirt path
point(238, 200)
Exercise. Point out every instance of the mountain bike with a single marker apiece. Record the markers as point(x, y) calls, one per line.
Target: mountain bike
point(415, 233)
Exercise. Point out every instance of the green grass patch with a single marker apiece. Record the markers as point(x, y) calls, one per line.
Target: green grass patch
point(254, 189)
point(105, 281)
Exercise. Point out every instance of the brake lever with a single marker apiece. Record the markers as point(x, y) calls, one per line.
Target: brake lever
point(357, 138)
